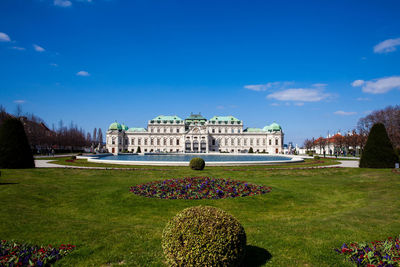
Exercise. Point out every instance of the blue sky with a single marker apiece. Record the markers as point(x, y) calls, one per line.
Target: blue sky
point(311, 66)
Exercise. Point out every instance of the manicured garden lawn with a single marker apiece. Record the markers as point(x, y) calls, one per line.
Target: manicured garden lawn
point(307, 214)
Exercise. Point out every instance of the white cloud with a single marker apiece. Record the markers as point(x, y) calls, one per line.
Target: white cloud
point(53, 64)
point(220, 107)
point(274, 104)
point(4, 37)
point(83, 73)
point(380, 86)
point(344, 113)
point(320, 85)
point(363, 99)
point(299, 104)
point(19, 101)
point(300, 95)
point(357, 83)
point(266, 86)
point(38, 48)
point(17, 48)
point(62, 3)
point(387, 46)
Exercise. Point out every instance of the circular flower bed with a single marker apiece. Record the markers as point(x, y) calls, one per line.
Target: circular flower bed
point(198, 188)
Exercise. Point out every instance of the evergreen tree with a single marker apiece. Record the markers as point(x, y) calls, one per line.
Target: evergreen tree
point(138, 150)
point(95, 136)
point(15, 152)
point(251, 150)
point(100, 136)
point(378, 151)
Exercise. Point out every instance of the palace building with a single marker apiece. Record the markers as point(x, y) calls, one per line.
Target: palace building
point(194, 134)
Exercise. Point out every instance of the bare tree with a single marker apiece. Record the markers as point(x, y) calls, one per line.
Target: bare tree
point(308, 144)
point(389, 116)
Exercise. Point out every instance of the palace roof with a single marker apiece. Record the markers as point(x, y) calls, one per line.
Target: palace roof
point(166, 119)
point(253, 130)
point(224, 119)
point(136, 130)
point(195, 117)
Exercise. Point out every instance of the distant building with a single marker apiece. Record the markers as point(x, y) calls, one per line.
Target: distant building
point(195, 134)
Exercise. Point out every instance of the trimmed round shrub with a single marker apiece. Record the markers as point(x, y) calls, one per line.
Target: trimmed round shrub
point(378, 151)
point(197, 164)
point(204, 236)
point(15, 152)
point(316, 157)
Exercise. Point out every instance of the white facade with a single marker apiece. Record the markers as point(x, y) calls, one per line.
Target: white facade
point(194, 134)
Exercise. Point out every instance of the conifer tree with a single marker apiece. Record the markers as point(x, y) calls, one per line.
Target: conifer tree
point(15, 151)
point(378, 151)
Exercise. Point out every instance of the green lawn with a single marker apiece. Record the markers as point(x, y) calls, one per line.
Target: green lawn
point(307, 214)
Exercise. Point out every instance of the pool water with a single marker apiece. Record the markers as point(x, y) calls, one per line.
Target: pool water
point(188, 157)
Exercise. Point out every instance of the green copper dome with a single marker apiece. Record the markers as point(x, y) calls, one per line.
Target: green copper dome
point(124, 127)
point(267, 128)
point(275, 127)
point(115, 126)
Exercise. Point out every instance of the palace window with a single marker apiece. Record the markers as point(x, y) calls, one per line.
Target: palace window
point(165, 141)
point(270, 142)
point(245, 142)
point(158, 130)
point(232, 142)
point(177, 142)
point(276, 141)
point(132, 141)
point(263, 142)
point(177, 130)
point(213, 142)
point(139, 141)
point(251, 141)
point(145, 141)
point(151, 142)
point(219, 130)
point(158, 141)
point(113, 141)
point(258, 142)
point(213, 130)
point(233, 130)
point(151, 130)
point(171, 142)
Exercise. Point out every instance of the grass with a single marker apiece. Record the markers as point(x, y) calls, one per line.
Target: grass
point(307, 214)
point(85, 163)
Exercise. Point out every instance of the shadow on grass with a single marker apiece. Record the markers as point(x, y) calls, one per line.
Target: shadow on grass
point(256, 256)
point(7, 183)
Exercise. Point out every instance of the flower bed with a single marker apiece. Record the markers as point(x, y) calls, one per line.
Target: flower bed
point(375, 254)
point(17, 254)
point(198, 188)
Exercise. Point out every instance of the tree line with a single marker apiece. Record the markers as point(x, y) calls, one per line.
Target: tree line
point(356, 138)
point(64, 138)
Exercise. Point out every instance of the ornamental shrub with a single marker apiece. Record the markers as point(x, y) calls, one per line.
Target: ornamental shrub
point(138, 150)
point(378, 151)
point(204, 236)
point(251, 150)
point(15, 152)
point(197, 164)
point(316, 157)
